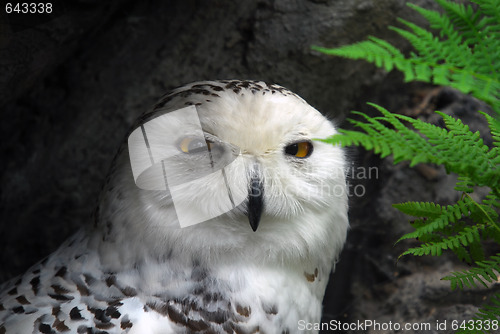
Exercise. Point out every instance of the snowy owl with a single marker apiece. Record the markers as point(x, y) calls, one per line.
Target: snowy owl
point(221, 213)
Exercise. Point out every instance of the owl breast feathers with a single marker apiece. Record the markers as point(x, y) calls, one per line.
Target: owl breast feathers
point(221, 213)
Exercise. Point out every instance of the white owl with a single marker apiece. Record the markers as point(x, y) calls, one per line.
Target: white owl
point(221, 214)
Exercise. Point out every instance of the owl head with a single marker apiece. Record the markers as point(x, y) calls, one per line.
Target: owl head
point(229, 168)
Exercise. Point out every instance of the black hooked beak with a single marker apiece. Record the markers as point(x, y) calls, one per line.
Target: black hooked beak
point(255, 199)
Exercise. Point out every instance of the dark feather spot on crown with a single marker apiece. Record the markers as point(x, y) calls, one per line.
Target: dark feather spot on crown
point(218, 316)
point(75, 314)
point(18, 309)
point(56, 310)
point(309, 277)
point(89, 279)
point(82, 290)
point(197, 325)
point(60, 297)
point(107, 325)
point(83, 330)
point(22, 300)
point(158, 307)
point(129, 291)
point(45, 329)
point(212, 297)
point(60, 326)
point(59, 289)
point(113, 312)
point(244, 311)
point(35, 282)
point(61, 272)
point(110, 280)
point(116, 302)
point(270, 309)
point(176, 315)
point(125, 324)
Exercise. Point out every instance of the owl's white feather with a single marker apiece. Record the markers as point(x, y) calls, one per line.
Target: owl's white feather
point(137, 271)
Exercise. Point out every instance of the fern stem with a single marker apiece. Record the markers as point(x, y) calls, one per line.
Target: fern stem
point(484, 212)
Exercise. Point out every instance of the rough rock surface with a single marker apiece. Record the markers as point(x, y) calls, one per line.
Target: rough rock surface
point(72, 83)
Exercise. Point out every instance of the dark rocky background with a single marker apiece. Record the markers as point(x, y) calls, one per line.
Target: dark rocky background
point(72, 82)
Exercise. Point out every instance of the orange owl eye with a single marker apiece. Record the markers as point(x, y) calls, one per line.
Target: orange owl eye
point(194, 145)
point(301, 149)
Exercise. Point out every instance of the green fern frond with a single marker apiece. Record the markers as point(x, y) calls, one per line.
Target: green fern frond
point(447, 30)
point(464, 238)
point(420, 209)
point(435, 225)
point(432, 49)
point(485, 272)
point(462, 55)
point(464, 185)
point(437, 217)
point(492, 14)
point(471, 24)
point(458, 149)
point(374, 50)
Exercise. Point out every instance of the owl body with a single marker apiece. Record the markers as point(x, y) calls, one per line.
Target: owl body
point(138, 270)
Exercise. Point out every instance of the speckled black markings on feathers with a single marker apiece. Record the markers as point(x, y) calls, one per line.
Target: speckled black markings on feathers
point(212, 89)
point(206, 310)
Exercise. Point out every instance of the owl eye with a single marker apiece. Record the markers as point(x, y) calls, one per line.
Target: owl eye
point(301, 149)
point(194, 145)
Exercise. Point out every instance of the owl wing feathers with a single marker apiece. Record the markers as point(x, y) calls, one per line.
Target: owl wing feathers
point(54, 297)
